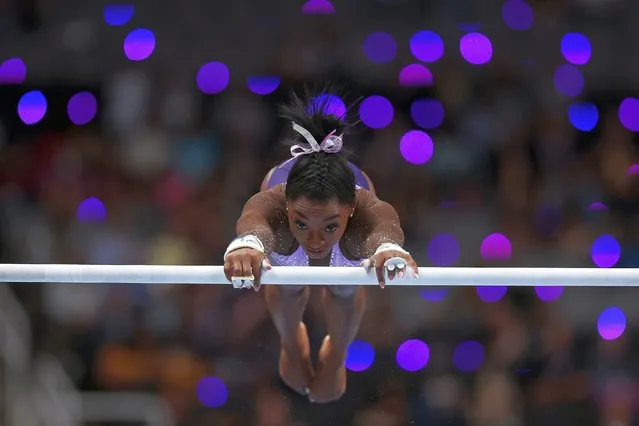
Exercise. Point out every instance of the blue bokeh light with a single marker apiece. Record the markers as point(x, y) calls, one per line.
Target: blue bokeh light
point(360, 356)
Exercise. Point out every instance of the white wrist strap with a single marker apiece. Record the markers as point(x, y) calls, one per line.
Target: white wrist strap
point(390, 246)
point(247, 241)
point(394, 262)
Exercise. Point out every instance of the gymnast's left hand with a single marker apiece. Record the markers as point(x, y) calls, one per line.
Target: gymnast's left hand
point(391, 263)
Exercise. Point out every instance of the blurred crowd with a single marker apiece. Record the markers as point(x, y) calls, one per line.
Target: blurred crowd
point(167, 170)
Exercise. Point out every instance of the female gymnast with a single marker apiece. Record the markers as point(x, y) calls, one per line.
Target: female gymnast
point(316, 209)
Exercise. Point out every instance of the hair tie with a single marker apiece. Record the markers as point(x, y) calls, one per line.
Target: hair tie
point(331, 144)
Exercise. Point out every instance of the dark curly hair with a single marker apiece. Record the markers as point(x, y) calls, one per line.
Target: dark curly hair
point(320, 176)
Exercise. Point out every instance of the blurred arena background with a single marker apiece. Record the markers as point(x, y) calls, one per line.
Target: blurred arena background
point(503, 132)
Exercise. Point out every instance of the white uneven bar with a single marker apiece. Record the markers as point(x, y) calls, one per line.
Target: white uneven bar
point(316, 275)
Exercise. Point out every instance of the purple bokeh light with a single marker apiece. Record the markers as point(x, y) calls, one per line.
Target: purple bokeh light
point(380, 47)
point(568, 80)
point(583, 116)
point(629, 114)
point(491, 294)
point(118, 14)
point(496, 247)
point(263, 85)
point(412, 355)
point(427, 46)
point(13, 71)
point(468, 356)
point(427, 113)
point(611, 323)
point(328, 104)
point(82, 108)
point(443, 250)
point(576, 49)
point(633, 170)
point(476, 48)
point(32, 107)
point(318, 7)
point(212, 392)
point(360, 356)
point(605, 251)
point(139, 44)
point(376, 112)
point(415, 75)
point(213, 78)
point(434, 294)
point(416, 147)
point(91, 210)
point(597, 207)
point(549, 293)
point(517, 14)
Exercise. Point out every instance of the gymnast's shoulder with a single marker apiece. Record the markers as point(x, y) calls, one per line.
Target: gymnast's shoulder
point(369, 206)
point(270, 201)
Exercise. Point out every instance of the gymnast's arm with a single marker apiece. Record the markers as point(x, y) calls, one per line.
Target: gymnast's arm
point(374, 222)
point(264, 216)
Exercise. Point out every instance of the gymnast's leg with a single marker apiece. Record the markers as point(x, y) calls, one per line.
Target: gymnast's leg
point(344, 307)
point(286, 305)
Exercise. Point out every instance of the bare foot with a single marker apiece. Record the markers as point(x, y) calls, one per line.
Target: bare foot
point(330, 379)
point(296, 369)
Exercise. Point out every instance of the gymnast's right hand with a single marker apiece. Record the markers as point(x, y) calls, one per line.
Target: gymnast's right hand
point(243, 267)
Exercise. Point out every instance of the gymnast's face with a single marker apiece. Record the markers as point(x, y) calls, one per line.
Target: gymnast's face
point(317, 225)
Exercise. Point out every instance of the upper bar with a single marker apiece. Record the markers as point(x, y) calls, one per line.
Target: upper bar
point(319, 275)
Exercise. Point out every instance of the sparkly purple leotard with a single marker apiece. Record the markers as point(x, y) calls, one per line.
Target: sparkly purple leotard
point(299, 257)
